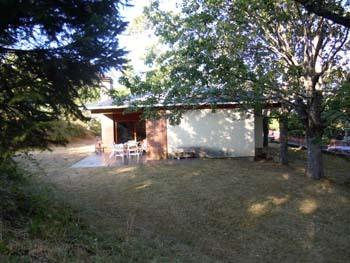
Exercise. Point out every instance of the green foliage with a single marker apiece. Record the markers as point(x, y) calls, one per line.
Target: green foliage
point(254, 52)
point(295, 126)
point(215, 51)
point(337, 107)
point(198, 65)
point(121, 93)
point(66, 130)
point(337, 112)
point(336, 115)
point(52, 54)
point(273, 124)
point(95, 126)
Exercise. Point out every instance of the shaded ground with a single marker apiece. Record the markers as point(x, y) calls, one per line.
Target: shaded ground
point(225, 210)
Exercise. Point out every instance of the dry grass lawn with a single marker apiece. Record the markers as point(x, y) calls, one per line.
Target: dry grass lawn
point(215, 210)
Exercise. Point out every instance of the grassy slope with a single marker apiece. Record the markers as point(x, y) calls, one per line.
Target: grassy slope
point(200, 211)
point(41, 227)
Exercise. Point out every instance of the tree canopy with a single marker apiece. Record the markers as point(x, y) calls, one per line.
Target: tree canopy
point(51, 54)
point(256, 51)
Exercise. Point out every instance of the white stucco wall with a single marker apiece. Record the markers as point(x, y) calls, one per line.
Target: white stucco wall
point(226, 132)
point(107, 135)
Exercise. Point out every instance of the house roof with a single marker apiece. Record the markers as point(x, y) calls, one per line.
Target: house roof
point(109, 104)
point(132, 101)
point(103, 106)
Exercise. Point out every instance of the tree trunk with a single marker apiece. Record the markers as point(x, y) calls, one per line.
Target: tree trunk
point(266, 131)
point(283, 123)
point(314, 132)
point(314, 157)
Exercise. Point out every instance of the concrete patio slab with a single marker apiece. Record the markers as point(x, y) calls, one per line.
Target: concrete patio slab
point(104, 160)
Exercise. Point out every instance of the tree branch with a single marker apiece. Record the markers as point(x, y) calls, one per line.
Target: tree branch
point(332, 56)
point(319, 8)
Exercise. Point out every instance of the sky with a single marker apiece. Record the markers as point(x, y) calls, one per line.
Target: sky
point(135, 43)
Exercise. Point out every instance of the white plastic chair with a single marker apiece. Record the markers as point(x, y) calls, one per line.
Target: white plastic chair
point(118, 151)
point(143, 146)
point(133, 148)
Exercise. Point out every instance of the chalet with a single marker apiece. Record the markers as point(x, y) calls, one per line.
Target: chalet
point(226, 132)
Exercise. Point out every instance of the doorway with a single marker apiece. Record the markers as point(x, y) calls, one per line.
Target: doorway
point(131, 130)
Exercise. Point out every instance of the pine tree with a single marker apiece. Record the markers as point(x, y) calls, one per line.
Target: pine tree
point(51, 53)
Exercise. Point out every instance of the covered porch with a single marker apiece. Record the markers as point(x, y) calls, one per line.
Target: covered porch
point(119, 127)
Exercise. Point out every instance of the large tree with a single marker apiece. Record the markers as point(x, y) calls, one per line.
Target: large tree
point(257, 51)
point(309, 49)
point(51, 54)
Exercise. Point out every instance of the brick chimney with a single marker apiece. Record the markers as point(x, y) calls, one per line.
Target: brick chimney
point(106, 85)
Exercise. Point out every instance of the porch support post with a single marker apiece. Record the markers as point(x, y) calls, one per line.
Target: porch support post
point(107, 130)
point(156, 134)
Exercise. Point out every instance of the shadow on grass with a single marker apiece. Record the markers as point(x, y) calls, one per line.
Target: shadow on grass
point(213, 210)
